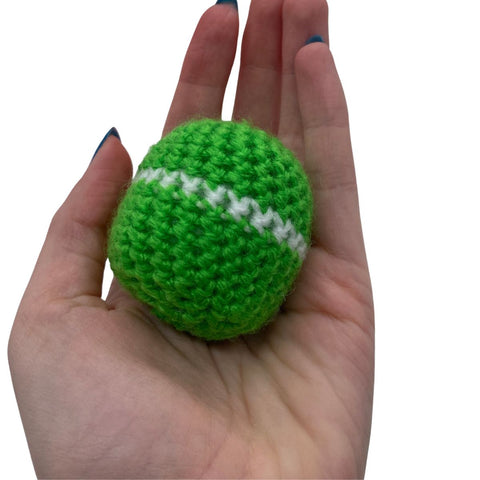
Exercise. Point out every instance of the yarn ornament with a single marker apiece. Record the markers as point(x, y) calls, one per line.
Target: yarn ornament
point(212, 232)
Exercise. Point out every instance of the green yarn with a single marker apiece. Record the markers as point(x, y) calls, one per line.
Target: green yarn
point(213, 230)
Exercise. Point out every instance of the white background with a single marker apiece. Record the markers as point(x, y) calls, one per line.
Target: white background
point(71, 70)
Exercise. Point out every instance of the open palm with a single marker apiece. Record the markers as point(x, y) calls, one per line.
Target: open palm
point(106, 391)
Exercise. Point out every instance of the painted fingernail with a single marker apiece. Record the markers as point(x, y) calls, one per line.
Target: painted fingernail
point(232, 2)
point(113, 131)
point(315, 39)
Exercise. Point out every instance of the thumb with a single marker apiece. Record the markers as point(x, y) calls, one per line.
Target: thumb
point(72, 260)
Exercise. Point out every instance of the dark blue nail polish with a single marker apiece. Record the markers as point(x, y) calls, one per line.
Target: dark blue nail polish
point(232, 2)
point(315, 39)
point(113, 131)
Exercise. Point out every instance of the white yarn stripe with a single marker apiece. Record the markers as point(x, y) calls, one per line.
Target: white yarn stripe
point(238, 208)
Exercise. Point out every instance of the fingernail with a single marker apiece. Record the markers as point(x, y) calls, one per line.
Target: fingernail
point(232, 2)
point(113, 131)
point(315, 39)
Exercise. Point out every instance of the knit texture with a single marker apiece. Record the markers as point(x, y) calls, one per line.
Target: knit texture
point(213, 230)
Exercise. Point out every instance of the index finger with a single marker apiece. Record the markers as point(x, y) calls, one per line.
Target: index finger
point(206, 68)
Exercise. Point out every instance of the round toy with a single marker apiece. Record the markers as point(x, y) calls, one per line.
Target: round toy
point(213, 230)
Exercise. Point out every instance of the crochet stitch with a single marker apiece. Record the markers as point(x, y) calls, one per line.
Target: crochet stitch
point(214, 228)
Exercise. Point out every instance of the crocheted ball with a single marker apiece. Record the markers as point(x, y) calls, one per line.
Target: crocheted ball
point(213, 230)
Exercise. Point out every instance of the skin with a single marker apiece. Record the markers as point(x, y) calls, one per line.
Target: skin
point(105, 393)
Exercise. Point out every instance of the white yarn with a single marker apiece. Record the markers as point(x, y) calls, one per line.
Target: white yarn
point(238, 208)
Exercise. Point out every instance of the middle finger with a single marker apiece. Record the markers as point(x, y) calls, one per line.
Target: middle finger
point(302, 19)
point(258, 90)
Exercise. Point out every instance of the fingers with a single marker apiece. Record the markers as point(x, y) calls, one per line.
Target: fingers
point(328, 153)
point(302, 19)
point(206, 67)
point(259, 81)
point(72, 260)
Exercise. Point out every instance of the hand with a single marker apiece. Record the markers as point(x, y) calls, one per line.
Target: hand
point(105, 394)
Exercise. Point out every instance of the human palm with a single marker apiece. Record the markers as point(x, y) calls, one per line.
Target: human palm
point(107, 391)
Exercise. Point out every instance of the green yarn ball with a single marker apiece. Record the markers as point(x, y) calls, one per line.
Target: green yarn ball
point(213, 230)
